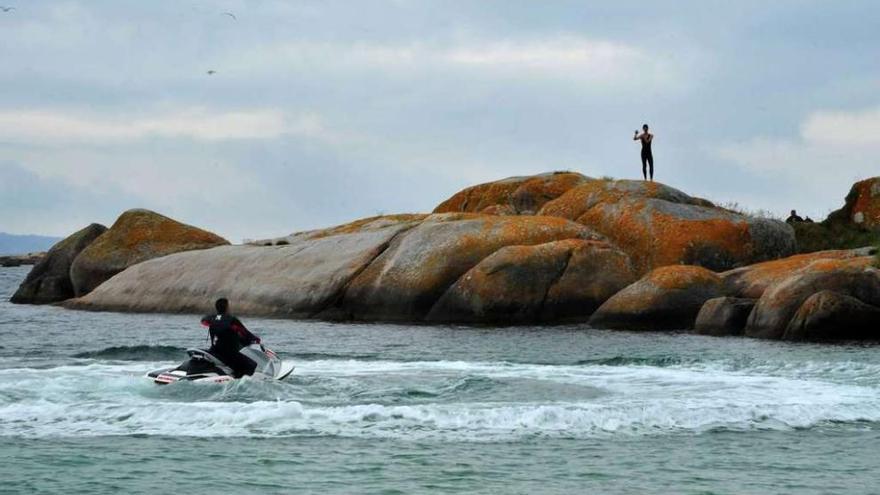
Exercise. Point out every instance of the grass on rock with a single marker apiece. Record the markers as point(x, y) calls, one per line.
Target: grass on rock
point(832, 235)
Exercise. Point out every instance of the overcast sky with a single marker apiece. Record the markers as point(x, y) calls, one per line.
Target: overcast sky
point(324, 111)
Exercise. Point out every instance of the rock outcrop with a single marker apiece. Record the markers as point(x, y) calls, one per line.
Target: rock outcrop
point(556, 281)
point(751, 281)
point(667, 298)
point(300, 278)
point(777, 306)
point(659, 226)
point(724, 316)
point(49, 280)
point(21, 259)
point(862, 206)
point(512, 196)
point(136, 236)
point(406, 280)
point(377, 269)
point(829, 315)
point(549, 248)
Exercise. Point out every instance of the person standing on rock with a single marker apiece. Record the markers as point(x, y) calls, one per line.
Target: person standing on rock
point(647, 157)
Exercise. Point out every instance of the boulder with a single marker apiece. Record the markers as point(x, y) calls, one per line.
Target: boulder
point(780, 302)
point(829, 315)
point(560, 280)
point(724, 316)
point(405, 281)
point(49, 280)
point(595, 272)
point(665, 299)
point(298, 279)
point(136, 236)
point(512, 196)
point(861, 207)
point(658, 225)
point(374, 269)
point(751, 281)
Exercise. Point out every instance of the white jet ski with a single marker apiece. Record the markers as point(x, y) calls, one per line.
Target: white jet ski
point(203, 367)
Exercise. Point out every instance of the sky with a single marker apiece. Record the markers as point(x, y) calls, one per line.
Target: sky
point(321, 112)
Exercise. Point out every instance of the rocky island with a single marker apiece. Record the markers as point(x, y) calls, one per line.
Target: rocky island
point(556, 247)
point(21, 259)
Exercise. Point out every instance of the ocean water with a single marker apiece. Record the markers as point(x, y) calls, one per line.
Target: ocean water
point(375, 408)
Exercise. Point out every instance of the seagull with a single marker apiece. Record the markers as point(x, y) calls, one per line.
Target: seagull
point(211, 72)
point(230, 14)
point(6, 9)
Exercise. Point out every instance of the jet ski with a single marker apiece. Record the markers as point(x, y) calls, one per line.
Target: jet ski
point(203, 367)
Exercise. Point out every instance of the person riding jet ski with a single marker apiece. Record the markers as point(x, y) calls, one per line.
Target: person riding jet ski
point(228, 337)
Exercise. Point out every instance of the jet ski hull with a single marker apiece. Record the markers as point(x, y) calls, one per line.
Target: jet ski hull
point(173, 375)
point(202, 367)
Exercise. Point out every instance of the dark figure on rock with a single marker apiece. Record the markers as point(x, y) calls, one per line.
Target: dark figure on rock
point(647, 156)
point(794, 218)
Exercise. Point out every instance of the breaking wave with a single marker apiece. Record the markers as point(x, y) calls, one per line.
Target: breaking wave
point(434, 400)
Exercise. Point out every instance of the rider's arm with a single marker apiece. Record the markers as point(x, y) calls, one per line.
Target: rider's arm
point(244, 333)
point(206, 321)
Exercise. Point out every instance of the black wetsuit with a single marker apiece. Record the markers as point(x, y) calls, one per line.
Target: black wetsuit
point(228, 336)
point(647, 157)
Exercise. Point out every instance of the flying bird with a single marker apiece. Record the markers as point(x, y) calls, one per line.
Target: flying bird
point(211, 72)
point(6, 9)
point(230, 14)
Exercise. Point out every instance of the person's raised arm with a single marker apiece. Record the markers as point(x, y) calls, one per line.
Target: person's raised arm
point(636, 136)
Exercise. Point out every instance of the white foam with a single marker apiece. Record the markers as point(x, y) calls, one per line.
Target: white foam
point(115, 400)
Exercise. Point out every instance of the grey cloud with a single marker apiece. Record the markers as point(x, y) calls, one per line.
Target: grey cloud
point(402, 137)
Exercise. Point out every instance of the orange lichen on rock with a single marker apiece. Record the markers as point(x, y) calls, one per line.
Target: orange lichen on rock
point(49, 280)
point(509, 285)
point(667, 298)
point(580, 199)
point(560, 280)
point(658, 225)
point(369, 224)
point(595, 272)
point(751, 281)
point(365, 224)
point(682, 277)
point(862, 206)
point(512, 196)
point(499, 210)
point(655, 238)
point(136, 236)
point(297, 280)
point(405, 281)
point(778, 304)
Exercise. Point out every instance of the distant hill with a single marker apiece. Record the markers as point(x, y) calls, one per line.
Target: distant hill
point(21, 244)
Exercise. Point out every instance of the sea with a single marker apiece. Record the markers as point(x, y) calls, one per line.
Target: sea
point(400, 409)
